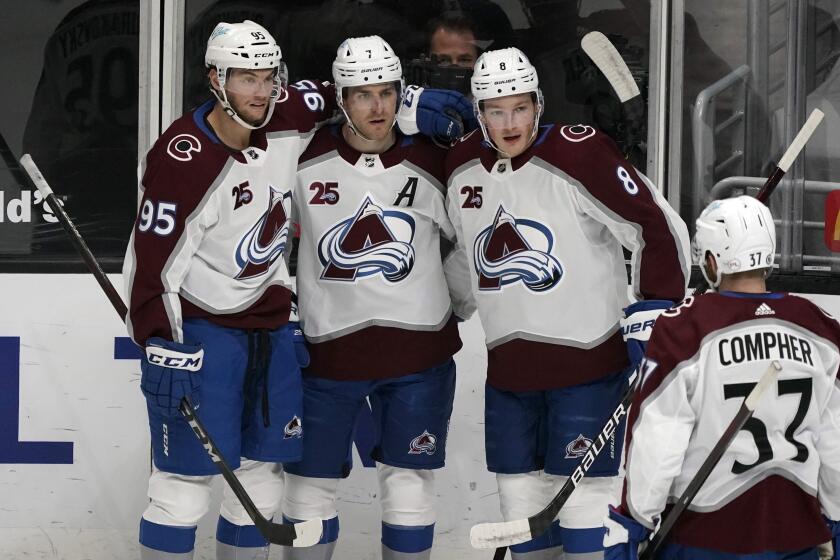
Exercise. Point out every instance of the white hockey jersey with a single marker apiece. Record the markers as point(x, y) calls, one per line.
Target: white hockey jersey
point(372, 296)
point(542, 235)
point(783, 467)
point(213, 224)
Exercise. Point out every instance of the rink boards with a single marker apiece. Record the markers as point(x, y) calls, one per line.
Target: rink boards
point(74, 447)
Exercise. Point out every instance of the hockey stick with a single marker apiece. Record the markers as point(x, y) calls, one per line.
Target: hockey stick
point(790, 155)
point(11, 162)
point(507, 533)
point(802, 137)
point(306, 533)
point(608, 60)
point(602, 52)
point(744, 414)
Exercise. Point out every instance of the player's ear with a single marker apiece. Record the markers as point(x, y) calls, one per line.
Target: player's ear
point(711, 265)
point(213, 76)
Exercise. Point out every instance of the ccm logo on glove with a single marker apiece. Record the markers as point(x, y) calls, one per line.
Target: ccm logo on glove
point(176, 360)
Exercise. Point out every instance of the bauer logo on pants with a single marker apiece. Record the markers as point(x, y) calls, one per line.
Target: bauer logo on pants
point(424, 443)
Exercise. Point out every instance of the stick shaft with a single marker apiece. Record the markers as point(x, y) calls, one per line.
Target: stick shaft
point(74, 235)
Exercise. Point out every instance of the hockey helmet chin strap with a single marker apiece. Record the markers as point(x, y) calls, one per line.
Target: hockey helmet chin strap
point(538, 111)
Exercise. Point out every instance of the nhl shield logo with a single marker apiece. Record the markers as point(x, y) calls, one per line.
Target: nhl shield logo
point(294, 429)
point(578, 447)
point(424, 443)
point(516, 250)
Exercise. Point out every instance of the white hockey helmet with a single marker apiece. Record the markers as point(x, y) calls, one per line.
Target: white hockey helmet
point(501, 73)
point(739, 232)
point(362, 61)
point(245, 45)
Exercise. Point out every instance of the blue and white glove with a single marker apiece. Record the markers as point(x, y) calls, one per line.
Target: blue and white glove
point(834, 527)
point(623, 536)
point(637, 324)
point(168, 374)
point(442, 114)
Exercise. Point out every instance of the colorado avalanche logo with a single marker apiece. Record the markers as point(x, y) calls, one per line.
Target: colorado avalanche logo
point(513, 250)
point(294, 429)
point(373, 241)
point(266, 240)
point(424, 443)
point(577, 132)
point(578, 447)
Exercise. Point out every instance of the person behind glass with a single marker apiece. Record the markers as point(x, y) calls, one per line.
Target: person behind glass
point(452, 41)
point(375, 307)
point(767, 496)
point(209, 293)
point(545, 211)
point(82, 129)
point(449, 55)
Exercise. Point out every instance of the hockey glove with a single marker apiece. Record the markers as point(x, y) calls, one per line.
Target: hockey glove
point(637, 324)
point(623, 536)
point(442, 114)
point(168, 374)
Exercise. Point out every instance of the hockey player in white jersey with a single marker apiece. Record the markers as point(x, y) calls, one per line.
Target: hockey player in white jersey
point(541, 214)
point(208, 289)
point(374, 307)
point(767, 495)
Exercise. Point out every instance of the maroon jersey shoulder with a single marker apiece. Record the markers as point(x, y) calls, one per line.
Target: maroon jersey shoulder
point(425, 154)
point(466, 149)
point(600, 173)
point(302, 106)
point(811, 316)
point(324, 141)
point(578, 150)
point(680, 331)
point(185, 160)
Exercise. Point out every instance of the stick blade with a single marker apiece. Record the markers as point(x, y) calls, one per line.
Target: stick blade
point(603, 54)
point(308, 533)
point(495, 535)
point(801, 139)
point(768, 379)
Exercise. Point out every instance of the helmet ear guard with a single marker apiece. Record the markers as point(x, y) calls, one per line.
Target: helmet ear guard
point(501, 73)
point(739, 233)
point(249, 46)
point(362, 61)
